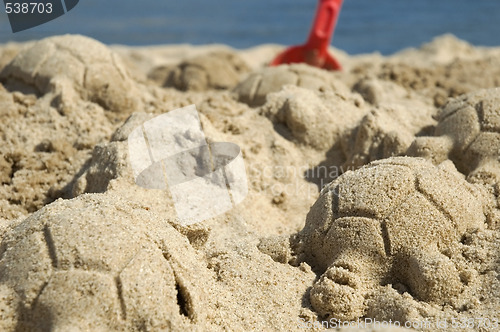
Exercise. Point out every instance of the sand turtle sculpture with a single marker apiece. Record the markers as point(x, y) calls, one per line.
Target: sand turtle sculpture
point(309, 117)
point(468, 133)
point(390, 222)
point(73, 65)
point(216, 70)
point(99, 263)
point(254, 89)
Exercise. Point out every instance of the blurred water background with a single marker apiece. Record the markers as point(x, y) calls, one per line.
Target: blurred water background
point(385, 26)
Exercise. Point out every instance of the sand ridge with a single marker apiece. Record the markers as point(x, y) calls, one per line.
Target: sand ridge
point(392, 238)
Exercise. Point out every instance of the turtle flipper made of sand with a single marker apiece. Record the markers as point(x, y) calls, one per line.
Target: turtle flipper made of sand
point(468, 133)
point(391, 222)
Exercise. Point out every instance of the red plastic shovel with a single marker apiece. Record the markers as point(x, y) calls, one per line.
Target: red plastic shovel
point(315, 51)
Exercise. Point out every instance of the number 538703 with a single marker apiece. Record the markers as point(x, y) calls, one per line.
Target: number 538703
point(28, 8)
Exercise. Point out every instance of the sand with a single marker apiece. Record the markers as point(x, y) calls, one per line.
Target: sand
point(372, 192)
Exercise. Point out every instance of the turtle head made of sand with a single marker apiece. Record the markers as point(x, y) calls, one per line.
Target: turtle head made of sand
point(468, 133)
point(392, 223)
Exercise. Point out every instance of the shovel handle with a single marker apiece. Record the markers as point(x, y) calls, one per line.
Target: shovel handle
point(324, 25)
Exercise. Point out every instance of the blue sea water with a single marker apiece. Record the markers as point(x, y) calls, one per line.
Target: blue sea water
point(364, 26)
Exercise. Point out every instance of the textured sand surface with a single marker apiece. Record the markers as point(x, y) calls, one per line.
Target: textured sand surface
point(373, 192)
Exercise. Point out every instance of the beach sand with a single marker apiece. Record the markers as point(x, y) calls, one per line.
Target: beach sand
point(372, 192)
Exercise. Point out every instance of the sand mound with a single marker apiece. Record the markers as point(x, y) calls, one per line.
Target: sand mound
point(41, 148)
point(60, 97)
point(450, 80)
point(274, 167)
point(215, 70)
point(393, 222)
